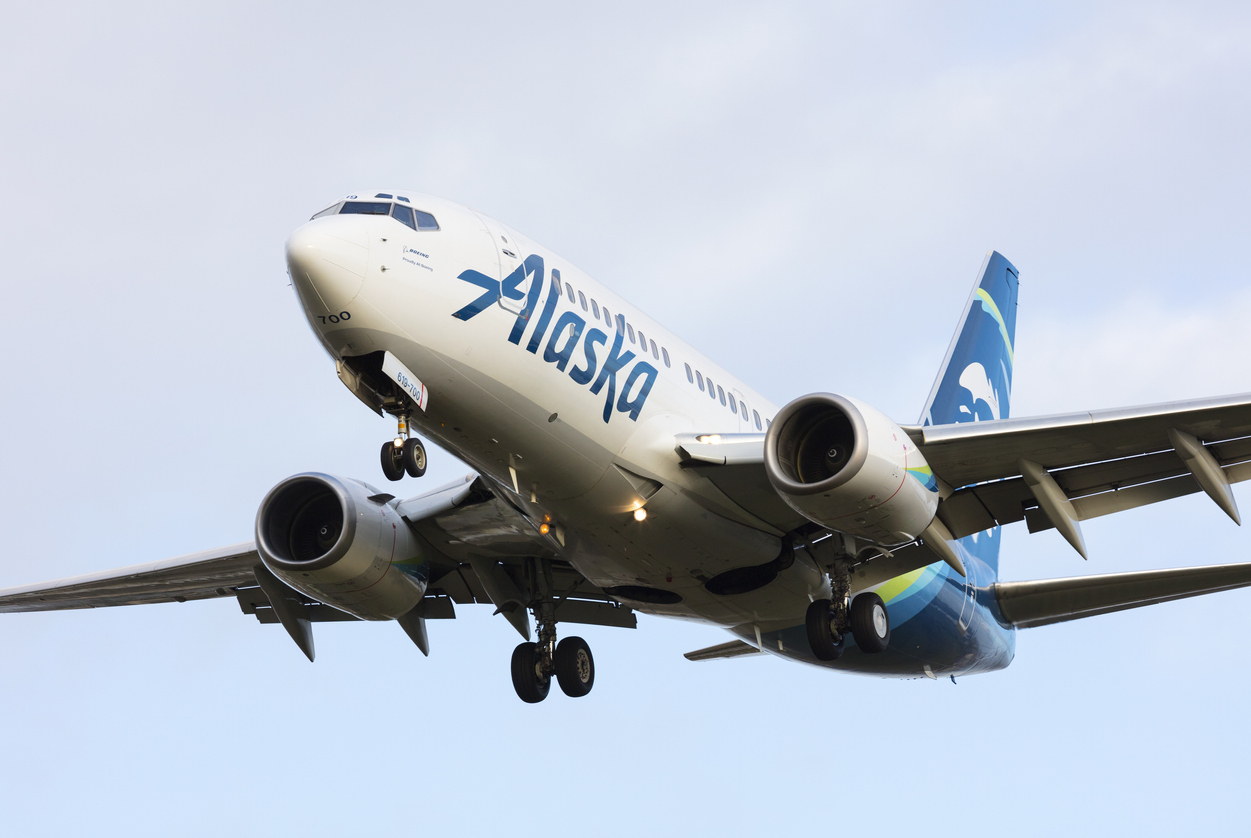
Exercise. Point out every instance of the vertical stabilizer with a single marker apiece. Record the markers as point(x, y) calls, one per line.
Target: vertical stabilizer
point(974, 383)
point(975, 380)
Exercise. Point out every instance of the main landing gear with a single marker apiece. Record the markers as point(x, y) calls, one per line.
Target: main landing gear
point(534, 664)
point(828, 622)
point(403, 454)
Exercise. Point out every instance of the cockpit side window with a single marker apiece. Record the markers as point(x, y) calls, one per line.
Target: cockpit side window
point(330, 210)
point(366, 208)
point(425, 221)
point(403, 214)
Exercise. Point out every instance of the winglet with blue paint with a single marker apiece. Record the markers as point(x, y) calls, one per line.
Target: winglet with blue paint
point(975, 380)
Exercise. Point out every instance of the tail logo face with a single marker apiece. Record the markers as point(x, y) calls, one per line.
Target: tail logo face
point(983, 397)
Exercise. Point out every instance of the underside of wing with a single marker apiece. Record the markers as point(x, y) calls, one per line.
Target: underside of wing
point(206, 575)
point(1059, 470)
point(1046, 601)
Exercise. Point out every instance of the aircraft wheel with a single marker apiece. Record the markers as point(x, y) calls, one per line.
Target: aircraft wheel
point(575, 668)
point(870, 624)
point(414, 457)
point(531, 685)
point(392, 461)
point(820, 631)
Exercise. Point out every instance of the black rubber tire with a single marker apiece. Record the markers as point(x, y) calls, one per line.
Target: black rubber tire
point(414, 457)
point(820, 634)
point(870, 623)
point(530, 686)
point(392, 462)
point(575, 667)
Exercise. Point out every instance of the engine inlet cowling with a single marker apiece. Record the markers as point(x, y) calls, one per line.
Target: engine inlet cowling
point(844, 465)
point(325, 537)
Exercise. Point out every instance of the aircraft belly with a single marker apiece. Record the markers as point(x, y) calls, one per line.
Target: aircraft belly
point(943, 637)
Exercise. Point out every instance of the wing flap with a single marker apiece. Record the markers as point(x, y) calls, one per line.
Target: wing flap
point(1095, 489)
point(1046, 601)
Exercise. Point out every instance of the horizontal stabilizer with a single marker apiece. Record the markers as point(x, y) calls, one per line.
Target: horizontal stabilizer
point(733, 649)
point(1046, 601)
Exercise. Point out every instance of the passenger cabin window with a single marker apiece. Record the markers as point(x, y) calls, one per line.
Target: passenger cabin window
point(403, 214)
point(733, 406)
point(556, 285)
point(630, 329)
point(667, 364)
point(655, 354)
point(743, 407)
point(756, 415)
point(595, 308)
point(425, 221)
point(365, 208)
point(689, 376)
point(701, 380)
point(582, 299)
point(569, 288)
point(712, 393)
point(721, 393)
point(621, 324)
point(642, 341)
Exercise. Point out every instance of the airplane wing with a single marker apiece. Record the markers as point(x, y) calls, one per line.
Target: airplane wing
point(206, 575)
point(474, 543)
point(1050, 471)
point(1088, 464)
point(1046, 601)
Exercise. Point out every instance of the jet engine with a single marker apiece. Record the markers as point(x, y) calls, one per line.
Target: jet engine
point(337, 541)
point(844, 465)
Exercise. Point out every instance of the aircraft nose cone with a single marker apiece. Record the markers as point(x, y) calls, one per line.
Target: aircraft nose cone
point(328, 258)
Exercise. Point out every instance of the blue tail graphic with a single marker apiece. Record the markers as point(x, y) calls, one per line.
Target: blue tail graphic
point(975, 381)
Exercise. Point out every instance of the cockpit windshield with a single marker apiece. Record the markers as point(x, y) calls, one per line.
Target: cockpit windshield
point(416, 219)
point(365, 208)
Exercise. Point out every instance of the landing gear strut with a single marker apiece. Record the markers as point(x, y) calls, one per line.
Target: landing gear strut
point(534, 664)
point(829, 621)
point(403, 454)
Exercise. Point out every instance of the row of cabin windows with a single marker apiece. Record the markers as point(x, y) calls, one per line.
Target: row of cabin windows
point(621, 324)
point(715, 392)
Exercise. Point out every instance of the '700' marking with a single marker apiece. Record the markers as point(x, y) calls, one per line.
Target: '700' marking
point(335, 318)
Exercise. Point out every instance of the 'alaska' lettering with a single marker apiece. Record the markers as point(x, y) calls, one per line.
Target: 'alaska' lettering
point(565, 336)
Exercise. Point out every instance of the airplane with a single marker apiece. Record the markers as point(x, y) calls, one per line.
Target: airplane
point(616, 470)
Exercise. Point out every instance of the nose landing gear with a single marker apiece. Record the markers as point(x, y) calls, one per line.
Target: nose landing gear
point(403, 454)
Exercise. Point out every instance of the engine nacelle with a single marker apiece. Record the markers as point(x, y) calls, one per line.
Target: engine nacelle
point(844, 465)
point(323, 536)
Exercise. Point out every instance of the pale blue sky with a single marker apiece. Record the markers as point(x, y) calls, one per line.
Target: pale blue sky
point(804, 192)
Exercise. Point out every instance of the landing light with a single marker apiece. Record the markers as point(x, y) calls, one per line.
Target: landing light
point(640, 514)
point(544, 529)
point(399, 442)
point(709, 439)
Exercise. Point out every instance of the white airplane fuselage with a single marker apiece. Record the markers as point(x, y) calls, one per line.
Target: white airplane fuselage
point(585, 457)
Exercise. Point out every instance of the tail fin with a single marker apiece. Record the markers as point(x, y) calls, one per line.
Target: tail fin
point(975, 380)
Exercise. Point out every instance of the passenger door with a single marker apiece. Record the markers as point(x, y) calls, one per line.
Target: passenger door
point(513, 296)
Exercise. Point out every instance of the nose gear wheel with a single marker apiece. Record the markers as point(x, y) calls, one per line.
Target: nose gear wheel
point(392, 460)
